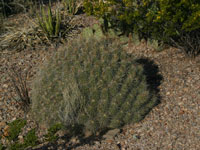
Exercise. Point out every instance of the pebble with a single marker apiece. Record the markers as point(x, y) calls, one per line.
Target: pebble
point(2, 125)
point(5, 86)
point(21, 139)
point(5, 131)
point(61, 133)
point(109, 141)
point(111, 134)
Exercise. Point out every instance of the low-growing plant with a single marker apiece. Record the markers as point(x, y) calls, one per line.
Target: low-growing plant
point(31, 139)
point(15, 128)
point(50, 136)
point(50, 23)
point(20, 86)
point(16, 146)
point(189, 42)
point(92, 83)
point(155, 44)
point(70, 6)
point(1, 146)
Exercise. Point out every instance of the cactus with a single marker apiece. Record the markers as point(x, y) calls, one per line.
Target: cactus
point(94, 83)
point(97, 31)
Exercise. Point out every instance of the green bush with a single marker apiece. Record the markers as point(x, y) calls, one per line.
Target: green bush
point(93, 83)
point(160, 20)
point(50, 136)
point(31, 139)
point(15, 128)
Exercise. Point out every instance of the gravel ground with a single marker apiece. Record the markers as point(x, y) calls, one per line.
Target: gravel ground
point(174, 124)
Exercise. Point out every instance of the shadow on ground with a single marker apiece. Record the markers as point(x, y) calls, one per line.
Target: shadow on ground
point(154, 80)
point(151, 71)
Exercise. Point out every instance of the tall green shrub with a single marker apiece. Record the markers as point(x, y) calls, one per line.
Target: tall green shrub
point(160, 20)
point(92, 83)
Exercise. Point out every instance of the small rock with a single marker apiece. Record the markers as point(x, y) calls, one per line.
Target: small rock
point(14, 119)
point(1, 103)
point(39, 146)
point(21, 139)
point(109, 141)
point(122, 144)
point(116, 147)
point(2, 125)
point(5, 86)
point(61, 133)
point(132, 131)
point(136, 137)
point(111, 134)
point(5, 133)
point(60, 141)
point(60, 148)
point(87, 134)
point(74, 140)
point(97, 142)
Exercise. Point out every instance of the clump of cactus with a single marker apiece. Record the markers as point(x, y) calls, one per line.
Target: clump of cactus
point(92, 83)
point(97, 31)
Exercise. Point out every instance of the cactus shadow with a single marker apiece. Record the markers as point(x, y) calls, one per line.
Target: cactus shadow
point(151, 71)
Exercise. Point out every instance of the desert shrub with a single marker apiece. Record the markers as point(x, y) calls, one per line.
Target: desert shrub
point(30, 139)
point(159, 20)
point(19, 82)
point(15, 128)
point(50, 136)
point(93, 83)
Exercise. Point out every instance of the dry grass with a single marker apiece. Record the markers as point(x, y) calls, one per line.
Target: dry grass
point(20, 38)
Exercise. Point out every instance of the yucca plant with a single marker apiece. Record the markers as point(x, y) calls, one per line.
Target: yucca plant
point(91, 83)
point(50, 23)
point(70, 6)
